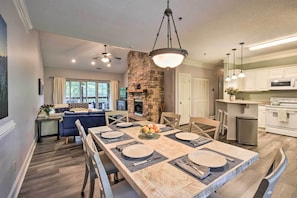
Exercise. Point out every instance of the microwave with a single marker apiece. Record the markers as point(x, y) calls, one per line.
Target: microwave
point(283, 84)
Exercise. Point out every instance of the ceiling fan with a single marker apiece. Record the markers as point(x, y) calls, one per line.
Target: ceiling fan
point(106, 57)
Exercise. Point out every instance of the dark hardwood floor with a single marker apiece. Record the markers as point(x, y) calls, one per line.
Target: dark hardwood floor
point(57, 170)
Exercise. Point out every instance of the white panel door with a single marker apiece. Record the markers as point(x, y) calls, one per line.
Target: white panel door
point(200, 97)
point(184, 97)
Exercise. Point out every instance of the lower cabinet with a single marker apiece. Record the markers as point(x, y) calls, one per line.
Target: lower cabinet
point(261, 116)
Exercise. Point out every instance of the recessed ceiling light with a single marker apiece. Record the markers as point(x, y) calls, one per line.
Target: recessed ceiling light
point(108, 65)
point(93, 63)
point(73, 60)
point(273, 43)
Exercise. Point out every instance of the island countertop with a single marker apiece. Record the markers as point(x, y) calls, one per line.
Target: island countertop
point(239, 101)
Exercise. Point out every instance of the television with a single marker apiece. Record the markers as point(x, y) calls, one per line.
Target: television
point(123, 93)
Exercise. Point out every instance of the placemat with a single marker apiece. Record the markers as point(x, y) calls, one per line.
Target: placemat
point(166, 129)
point(128, 162)
point(214, 172)
point(202, 140)
point(112, 140)
point(115, 127)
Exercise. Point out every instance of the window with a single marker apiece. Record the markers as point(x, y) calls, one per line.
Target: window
point(95, 93)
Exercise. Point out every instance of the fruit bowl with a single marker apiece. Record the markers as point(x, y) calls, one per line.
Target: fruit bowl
point(150, 130)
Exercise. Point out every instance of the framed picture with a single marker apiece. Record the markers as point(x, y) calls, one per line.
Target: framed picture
point(40, 86)
point(3, 70)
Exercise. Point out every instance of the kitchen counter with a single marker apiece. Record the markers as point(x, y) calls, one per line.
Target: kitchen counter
point(239, 101)
point(237, 108)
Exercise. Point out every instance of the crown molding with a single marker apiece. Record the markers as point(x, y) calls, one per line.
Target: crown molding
point(23, 13)
point(272, 56)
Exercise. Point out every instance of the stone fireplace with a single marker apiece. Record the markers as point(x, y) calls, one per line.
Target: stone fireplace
point(145, 84)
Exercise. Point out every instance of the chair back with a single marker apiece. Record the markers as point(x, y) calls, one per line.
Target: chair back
point(114, 117)
point(276, 169)
point(92, 151)
point(170, 119)
point(202, 125)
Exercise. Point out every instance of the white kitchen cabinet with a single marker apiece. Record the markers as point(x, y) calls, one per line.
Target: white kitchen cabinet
point(262, 80)
point(250, 80)
point(261, 116)
point(276, 73)
point(290, 72)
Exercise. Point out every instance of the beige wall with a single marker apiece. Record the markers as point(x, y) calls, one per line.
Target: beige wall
point(50, 72)
point(17, 131)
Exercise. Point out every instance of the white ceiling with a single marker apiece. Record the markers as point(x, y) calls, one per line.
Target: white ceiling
point(208, 29)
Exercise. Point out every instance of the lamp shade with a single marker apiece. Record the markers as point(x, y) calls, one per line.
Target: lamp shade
point(168, 57)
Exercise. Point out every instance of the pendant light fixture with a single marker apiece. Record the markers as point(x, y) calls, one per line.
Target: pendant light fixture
point(234, 77)
point(241, 74)
point(228, 77)
point(168, 57)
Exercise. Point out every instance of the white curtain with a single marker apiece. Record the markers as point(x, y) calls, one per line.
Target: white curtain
point(114, 94)
point(59, 90)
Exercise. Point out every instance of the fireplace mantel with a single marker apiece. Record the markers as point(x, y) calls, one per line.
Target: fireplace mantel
point(137, 91)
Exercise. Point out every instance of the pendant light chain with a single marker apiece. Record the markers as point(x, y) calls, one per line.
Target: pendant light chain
point(241, 74)
point(234, 77)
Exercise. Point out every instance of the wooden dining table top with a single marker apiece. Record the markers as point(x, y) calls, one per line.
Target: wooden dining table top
point(162, 179)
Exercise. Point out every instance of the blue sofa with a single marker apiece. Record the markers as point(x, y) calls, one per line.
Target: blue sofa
point(68, 128)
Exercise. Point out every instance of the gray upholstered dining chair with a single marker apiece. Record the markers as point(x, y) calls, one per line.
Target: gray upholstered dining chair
point(170, 119)
point(267, 184)
point(121, 189)
point(89, 166)
point(202, 125)
point(114, 117)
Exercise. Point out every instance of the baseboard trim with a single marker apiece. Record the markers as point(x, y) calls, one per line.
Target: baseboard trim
point(16, 187)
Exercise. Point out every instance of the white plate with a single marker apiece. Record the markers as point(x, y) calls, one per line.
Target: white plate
point(112, 134)
point(124, 124)
point(137, 151)
point(186, 136)
point(207, 158)
point(160, 126)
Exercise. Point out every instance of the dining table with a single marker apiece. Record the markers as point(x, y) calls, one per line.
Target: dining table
point(171, 163)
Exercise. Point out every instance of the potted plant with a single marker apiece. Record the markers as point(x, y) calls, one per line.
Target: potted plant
point(231, 91)
point(46, 108)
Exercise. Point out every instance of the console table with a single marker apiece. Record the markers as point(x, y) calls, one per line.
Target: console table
point(39, 121)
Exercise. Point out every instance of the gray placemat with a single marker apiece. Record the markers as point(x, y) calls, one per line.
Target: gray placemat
point(114, 127)
point(214, 172)
point(202, 140)
point(128, 162)
point(112, 140)
point(168, 128)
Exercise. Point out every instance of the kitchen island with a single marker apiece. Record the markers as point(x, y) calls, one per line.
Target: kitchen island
point(236, 108)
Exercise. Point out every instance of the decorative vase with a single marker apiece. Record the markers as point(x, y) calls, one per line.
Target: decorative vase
point(232, 97)
point(46, 115)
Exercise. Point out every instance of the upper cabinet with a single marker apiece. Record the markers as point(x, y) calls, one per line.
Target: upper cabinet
point(290, 72)
point(256, 80)
point(276, 73)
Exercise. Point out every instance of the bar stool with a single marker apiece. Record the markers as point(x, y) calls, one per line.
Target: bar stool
point(220, 119)
point(224, 122)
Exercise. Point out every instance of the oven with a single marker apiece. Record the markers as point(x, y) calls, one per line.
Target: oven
point(281, 117)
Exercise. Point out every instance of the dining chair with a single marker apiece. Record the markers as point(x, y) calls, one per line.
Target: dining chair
point(170, 119)
point(89, 166)
point(267, 184)
point(121, 189)
point(202, 125)
point(274, 172)
point(114, 117)
point(224, 125)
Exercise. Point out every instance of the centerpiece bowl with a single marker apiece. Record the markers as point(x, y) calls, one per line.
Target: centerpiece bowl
point(150, 130)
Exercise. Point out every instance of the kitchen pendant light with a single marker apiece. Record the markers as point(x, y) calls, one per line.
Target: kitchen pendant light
point(168, 57)
point(241, 74)
point(228, 77)
point(234, 77)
